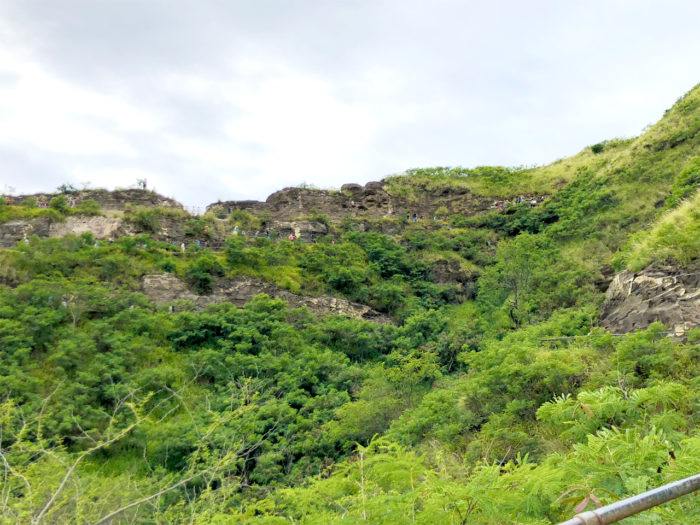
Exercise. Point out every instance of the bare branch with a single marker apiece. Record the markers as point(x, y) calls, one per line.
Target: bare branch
point(180, 483)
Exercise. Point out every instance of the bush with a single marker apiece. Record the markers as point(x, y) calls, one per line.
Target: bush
point(245, 221)
point(67, 188)
point(598, 148)
point(146, 219)
point(685, 183)
point(59, 203)
point(201, 274)
point(197, 228)
point(89, 207)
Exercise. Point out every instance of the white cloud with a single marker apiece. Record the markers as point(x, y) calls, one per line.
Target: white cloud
point(236, 100)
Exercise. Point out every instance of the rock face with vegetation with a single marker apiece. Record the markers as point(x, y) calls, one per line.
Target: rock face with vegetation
point(375, 200)
point(110, 200)
point(252, 379)
point(166, 288)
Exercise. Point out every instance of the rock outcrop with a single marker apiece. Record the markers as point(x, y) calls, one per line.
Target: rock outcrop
point(11, 232)
point(109, 200)
point(165, 288)
point(669, 295)
point(371, 201)
point(100, 227)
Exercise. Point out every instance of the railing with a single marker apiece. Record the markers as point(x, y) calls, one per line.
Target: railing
point(636, 504)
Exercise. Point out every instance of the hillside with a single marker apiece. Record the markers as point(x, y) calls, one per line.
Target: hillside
point(448, 345)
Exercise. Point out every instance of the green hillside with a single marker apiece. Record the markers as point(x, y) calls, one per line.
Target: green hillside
point(492, 397)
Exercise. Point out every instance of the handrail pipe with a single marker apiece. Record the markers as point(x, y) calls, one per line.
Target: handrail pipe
point(628, 507)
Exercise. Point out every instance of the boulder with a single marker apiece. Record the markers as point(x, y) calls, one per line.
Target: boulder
point(670, 295)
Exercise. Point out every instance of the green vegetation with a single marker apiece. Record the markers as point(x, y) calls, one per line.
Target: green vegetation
point(493, 397)
point(59, 208)
point(151, 219)
point(674, 239)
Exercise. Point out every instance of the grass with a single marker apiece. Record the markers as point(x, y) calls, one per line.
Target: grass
point(674, 239)
point(651, 157)
point(9, 213)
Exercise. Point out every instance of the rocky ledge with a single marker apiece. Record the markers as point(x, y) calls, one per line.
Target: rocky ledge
point(166, 288)
point(108, 200)
point(669, 295)
point(371, 201)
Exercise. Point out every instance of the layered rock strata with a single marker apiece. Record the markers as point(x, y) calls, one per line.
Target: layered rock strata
point(669, 295)
point(167, 288)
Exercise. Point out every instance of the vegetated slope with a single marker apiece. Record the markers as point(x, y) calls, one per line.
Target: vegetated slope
point(472, 408)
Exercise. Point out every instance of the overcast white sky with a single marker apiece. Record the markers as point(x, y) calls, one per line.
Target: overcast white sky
point(233, 99)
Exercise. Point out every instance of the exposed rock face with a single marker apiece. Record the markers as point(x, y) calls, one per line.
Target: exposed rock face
point(668, 295)
point(304, 230)
point(448, 271)
point(166, 288)
point(372, 201)
point(12, 232)
point(100, 227)
point(110, 200)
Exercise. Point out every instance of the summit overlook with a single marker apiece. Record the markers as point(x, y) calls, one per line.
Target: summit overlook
point(446, 345)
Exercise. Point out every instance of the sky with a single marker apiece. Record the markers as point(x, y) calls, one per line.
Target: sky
point(233, 99)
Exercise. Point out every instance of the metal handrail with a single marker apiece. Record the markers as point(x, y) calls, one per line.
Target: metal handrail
point(636, 504)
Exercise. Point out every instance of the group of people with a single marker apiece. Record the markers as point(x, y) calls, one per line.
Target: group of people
point(532, 202)
point(415, 217)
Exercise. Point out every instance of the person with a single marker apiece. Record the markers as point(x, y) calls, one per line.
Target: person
point(235, 230)
point(97, 244)
point(182, 247)
point(26, 241)
point(199, 243)
point(500, 206)
point(415, 217)
point(533, 203)
point(291, 237)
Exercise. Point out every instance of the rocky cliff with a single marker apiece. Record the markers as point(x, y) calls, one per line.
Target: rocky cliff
point(669, 295)
point(108, 200)
point(12, 232)
point(166, 288)
point(371, 201)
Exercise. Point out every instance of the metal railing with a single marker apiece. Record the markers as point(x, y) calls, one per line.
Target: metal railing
point(629, 507)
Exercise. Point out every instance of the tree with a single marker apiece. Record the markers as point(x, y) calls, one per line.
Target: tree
point(46, 483)
point(522, 265)
point(67, 188)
